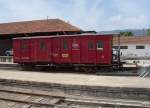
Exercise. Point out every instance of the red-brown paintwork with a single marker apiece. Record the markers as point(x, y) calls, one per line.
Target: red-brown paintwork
point(54, 53)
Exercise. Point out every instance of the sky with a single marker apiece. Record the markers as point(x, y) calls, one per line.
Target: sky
point(98, 15)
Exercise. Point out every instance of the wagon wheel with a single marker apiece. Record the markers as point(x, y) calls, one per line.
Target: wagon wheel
point(88, 69)
point(27, 67)
point(77, 69)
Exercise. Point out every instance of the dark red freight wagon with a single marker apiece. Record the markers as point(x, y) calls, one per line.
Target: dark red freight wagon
point(69, 50)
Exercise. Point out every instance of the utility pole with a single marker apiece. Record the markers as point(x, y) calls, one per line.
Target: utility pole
point(119, 49)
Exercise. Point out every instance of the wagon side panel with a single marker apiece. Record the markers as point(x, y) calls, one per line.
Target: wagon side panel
point(16, 50)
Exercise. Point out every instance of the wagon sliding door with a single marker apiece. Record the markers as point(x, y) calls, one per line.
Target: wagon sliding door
point(65, 50)
point(25, 50)
point(75, 56)
point(88, 54)
point(104, 51)
point(91, 51)
point(100, 51)
point(16, 50)
point(56, 50)
point(44, 50)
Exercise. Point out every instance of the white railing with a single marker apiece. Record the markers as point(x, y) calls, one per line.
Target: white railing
point(6, 59)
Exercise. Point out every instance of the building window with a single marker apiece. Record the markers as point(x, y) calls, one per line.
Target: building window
point(123, 47)
point(140, 47)
point(65, 45)
point(99, 45)
point(115, 47)
point(42, 45)
point(90, 45)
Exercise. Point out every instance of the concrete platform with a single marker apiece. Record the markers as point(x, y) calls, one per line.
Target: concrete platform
point(80, 84)
point(76, 79)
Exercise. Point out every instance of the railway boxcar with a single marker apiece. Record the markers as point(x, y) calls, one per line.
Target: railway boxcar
point(74, 50)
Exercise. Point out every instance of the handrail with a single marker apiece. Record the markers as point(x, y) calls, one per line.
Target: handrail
point(8, 59)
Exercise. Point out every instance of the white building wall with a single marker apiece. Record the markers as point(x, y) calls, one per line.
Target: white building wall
point(132, 52)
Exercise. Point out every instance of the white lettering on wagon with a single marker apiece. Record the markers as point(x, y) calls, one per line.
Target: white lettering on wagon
point(24, 57)
point(75, 45)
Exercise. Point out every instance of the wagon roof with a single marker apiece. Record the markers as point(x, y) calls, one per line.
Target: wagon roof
point(62, 36)
point(37, 26)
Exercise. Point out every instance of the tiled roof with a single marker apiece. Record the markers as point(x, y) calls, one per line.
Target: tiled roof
point(132, 40)
point(50, 25)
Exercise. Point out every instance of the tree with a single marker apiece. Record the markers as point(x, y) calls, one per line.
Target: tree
point(126, 33)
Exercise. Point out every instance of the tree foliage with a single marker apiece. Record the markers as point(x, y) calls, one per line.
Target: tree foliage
point(126, 33)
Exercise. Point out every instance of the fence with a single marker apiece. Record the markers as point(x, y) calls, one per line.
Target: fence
point(7, 59)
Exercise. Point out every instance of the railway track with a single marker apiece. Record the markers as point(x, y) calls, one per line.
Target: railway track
point(26, 98)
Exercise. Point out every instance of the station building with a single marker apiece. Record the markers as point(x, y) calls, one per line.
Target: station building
point(33, 28)
point(134, 47)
